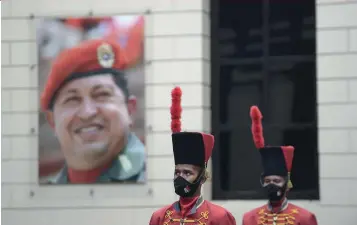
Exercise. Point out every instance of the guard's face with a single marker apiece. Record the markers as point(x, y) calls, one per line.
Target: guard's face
point(91, 120)
point(187, 171)
point(273, 179)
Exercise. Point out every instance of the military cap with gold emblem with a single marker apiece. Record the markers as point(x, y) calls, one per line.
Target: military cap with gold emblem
point(276, 160)
point(90, 58)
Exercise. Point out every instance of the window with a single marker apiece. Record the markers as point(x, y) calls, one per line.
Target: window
point(263, 53)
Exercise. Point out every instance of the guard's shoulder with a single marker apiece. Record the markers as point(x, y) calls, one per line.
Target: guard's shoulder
point(214, 206)
point(159, 215)
point(253, 211)
point(161, 211)
point(299, 210)
point(217, 208)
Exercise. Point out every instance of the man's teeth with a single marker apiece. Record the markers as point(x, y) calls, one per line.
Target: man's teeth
point(89, 129)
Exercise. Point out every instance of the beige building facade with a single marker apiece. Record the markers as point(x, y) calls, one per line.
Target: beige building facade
point(177, 50)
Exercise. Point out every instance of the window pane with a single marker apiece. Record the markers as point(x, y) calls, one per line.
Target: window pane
point(292, 28)
point(292, 92)
point(240, 87)
point(285, 90)
point(240, 161)
point(224, 153)
point(240, 32)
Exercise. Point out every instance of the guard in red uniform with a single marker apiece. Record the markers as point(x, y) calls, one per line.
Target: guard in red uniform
point(277, 163)
point(191, 150)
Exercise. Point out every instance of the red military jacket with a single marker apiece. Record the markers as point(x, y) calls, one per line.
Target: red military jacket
point(203, 213)
point(289, 215)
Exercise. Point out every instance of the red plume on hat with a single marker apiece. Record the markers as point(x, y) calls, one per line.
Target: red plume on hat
point(257, 128)
point(176, 110)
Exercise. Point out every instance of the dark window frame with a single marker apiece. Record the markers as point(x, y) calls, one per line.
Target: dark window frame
point(217, 192)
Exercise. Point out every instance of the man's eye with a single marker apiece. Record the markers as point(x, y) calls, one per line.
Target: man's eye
point(102, 95)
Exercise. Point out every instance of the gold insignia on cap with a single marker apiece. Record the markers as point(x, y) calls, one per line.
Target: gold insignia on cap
point(105, 55)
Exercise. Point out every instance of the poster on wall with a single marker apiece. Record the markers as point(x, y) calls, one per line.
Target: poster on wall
point(91, 80)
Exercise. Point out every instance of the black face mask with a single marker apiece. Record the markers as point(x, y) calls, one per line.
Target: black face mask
point(185, 188)
point(275, 192)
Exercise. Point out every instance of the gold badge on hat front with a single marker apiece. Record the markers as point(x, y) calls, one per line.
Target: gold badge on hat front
point(106, 56)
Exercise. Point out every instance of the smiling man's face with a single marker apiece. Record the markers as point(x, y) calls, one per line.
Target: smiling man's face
point(91, 120)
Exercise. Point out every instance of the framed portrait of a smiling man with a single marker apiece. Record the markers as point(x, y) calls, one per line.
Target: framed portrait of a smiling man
point(91, 125)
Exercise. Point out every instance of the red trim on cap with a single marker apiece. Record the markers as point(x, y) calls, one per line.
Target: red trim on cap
point(208, 141)
point(289, 156)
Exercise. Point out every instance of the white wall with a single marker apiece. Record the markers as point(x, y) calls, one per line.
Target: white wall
point(178, 48)
point(177, 33)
